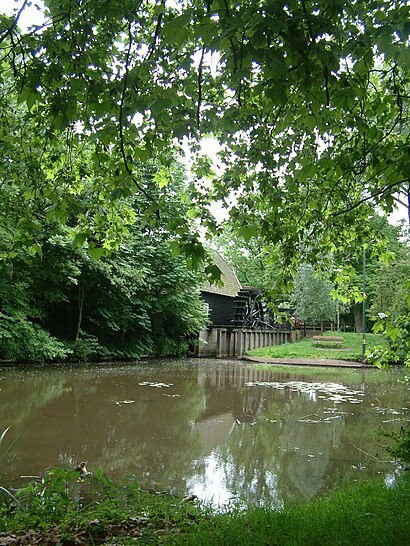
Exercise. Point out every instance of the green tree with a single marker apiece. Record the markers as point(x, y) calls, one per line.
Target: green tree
point(138, 300)
point(250, 259)
point(387, 293)
point(389, 290)
point(307, 99)
point(311, 297)
point(66, 288)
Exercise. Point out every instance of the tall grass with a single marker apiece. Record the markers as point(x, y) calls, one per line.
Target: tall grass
point(5, 494)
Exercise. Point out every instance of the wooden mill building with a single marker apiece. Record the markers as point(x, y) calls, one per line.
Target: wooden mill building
point(220, 300)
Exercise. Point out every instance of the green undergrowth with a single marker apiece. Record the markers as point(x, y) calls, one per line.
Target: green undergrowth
point(306, 348)
point(60, 510)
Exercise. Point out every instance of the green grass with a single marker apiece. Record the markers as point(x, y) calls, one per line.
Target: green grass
point(62, 510)
point(350, 350)
point(361, 514)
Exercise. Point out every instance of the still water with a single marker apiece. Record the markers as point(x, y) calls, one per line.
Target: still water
point(219, 429)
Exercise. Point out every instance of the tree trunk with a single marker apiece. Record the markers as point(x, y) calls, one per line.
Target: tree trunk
point(80, 312)
point(358, 317)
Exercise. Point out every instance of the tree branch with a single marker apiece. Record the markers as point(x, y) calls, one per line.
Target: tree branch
point(326, 73)
point(200, 73)
point(156, 35)
point(121, 116)
point(369, 197)
point(309, 24)
point(15, 22)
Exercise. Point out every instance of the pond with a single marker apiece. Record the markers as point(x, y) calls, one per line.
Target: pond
point(218, 429)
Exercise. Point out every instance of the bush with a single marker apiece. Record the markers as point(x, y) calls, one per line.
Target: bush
point(85, 348)
point(20, 339)
point(400, 449)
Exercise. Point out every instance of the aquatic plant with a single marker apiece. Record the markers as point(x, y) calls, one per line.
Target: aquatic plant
point(6, 494)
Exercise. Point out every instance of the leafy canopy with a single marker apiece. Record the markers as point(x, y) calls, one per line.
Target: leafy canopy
point(307, 98)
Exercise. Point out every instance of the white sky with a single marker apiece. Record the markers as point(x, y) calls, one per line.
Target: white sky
point(32, 15)
point(398, 215)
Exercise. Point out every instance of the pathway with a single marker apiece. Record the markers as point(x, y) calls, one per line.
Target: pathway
point(330, 362)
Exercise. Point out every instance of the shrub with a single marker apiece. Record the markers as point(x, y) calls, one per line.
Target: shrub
point(20, 339)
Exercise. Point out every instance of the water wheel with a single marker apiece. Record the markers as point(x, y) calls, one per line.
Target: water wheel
point(249, 309)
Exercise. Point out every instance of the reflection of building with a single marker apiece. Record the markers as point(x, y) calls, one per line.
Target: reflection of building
point(214, 430)
point(307, 448)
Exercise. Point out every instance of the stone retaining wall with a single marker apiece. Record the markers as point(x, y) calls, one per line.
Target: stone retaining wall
point(234, 342)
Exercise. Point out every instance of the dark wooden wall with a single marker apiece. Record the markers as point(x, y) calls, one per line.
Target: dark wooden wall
point(221, 310)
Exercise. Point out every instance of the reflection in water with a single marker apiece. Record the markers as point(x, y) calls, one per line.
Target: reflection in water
point(219, 429)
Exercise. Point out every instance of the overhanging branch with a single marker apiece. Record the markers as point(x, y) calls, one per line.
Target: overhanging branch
point(9, 30)
point(369, 197)
point(121, 116)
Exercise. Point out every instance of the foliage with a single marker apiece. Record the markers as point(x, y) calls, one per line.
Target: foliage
point(250, 259)
point(24, 341)
point(391, 307)
point(86, 348)
point(381, 288)
point(311, 297)
point(400, 449)
point(58, 508)
point(67, 286)
point(136, 301)
point(387, 290)
point(79, 299)
point(308, 101)
point(91, 507)
point(396, 330)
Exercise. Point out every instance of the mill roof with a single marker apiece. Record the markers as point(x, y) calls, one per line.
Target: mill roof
point(231, 284)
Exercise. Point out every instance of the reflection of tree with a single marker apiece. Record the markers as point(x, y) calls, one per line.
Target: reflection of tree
point(28, 396)
point(266, 462)
point(107, 418)
point(307, 449)
point(153, 440)
point(27, 391)
point(251, 464)
point(274, 444)
point(282, 460)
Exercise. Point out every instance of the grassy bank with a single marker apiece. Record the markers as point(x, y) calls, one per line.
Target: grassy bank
point(61, 510)
point(305, 348)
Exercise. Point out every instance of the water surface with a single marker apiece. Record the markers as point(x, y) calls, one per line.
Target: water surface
point(219, 429)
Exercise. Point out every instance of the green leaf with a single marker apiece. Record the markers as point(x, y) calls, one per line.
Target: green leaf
point(247, 232)
point(176, 31)
point(162, 177)
point(158, 105)
point(79, 239)
point(96, 252)
point(193, 213)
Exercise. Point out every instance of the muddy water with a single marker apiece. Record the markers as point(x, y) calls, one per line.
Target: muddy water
point(219, 429)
